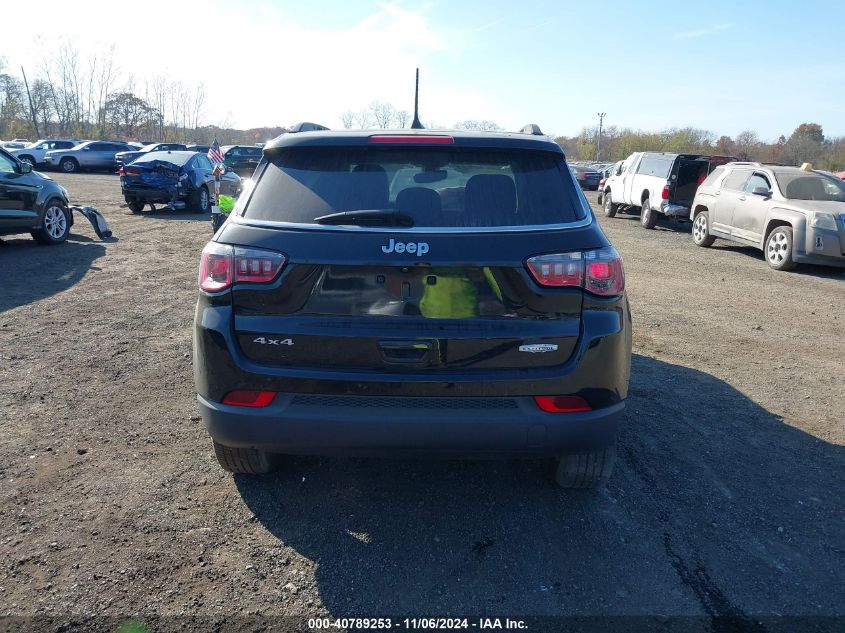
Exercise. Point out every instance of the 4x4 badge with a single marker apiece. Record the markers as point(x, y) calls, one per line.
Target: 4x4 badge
point(538, 348)
point(263, 340)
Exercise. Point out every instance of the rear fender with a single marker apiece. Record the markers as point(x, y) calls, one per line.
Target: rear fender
point(701, 203)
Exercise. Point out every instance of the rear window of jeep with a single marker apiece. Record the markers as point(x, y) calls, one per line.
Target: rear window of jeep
point(437, 187)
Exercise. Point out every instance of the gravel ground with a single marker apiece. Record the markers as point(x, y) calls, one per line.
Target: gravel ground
point(727, 498)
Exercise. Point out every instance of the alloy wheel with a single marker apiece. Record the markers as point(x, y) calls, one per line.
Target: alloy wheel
point(776, 249)
point(699, 228)
point(55, 222)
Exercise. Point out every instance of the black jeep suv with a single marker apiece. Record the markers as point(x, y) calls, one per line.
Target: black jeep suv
point(413, 292)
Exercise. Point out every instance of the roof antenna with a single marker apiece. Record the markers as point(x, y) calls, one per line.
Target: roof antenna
point(416, 125)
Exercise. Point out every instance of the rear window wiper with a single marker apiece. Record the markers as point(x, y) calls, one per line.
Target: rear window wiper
point(385, 217)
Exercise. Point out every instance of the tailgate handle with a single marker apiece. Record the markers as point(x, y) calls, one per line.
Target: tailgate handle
point(405, 351)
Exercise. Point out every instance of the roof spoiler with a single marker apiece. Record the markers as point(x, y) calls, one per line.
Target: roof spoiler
point(533, 129)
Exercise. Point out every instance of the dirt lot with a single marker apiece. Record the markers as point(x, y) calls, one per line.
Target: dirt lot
point(727, 498)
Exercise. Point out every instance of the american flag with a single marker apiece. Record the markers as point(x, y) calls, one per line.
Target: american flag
point(215, 155)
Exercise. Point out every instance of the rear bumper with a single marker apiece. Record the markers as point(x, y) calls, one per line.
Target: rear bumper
point(323, 410)
point(149, 194)
point(378, 425)
point(675, 210)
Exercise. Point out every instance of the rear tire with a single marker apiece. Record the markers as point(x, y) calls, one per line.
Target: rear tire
point(701, 230)
point(28, 159)
point(779, 248)
point(247, 461)
point(201, 200)
point(69, 165)
point(648, 216)
point(610, 209)
point(55, 224)
point(135, 206)
point(585, 470)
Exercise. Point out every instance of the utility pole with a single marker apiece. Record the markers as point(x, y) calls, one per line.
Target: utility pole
point(601, 116)
point(31, 107)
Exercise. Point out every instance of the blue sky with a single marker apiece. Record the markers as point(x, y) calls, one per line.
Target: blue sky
point(722, 66)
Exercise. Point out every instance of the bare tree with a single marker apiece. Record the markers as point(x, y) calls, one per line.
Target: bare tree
point(347, 119)
point(364, 119)
point(199, 102)
point(403, 118)
point(483, 126)
point(159, 102)
point(382, 113)
point(102, 82)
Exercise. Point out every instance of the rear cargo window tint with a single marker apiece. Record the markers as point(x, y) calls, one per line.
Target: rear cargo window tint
point(438, 188)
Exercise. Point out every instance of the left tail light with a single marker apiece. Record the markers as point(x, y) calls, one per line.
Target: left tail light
point(223, 265)
point(665, 193)
point(597, 271)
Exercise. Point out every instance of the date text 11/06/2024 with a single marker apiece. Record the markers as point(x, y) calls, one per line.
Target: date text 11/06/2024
point(430, 624)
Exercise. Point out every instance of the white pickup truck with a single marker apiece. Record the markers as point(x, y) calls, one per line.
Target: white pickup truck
point(658, 183)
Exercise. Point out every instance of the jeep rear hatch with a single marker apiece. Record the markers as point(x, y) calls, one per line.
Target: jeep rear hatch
point(424, 263)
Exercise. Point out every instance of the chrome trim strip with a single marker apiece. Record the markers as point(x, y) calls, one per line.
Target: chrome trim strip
point(587, 221)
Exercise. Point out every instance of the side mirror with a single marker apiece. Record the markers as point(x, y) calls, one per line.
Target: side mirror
point(761, 191)
point(26, 168)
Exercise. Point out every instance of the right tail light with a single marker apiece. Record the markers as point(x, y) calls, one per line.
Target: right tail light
point(599, 271)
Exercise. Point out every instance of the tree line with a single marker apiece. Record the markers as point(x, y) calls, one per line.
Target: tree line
point(807, 143)
point(88, 97)
point(384, 115)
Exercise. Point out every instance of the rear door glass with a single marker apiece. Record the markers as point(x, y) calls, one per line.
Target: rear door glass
point(458, 187)
point(736, 179)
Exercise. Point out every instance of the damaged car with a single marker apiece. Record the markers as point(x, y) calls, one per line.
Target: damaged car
point(124, 158)
point(176, 180)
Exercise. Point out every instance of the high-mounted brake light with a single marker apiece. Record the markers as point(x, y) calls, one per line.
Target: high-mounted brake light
point(599, 271)
point(413, 139)
point(223, 265)
point(562, 404)
point(249, 398)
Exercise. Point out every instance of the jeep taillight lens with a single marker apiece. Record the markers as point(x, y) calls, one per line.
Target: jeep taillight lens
point(223, 265)
point(597, 271)
point(562, 269)
point(603, 274)
point(216, 267)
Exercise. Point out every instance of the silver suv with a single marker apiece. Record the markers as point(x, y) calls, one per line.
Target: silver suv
point(795, 215)
point(88, 155)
